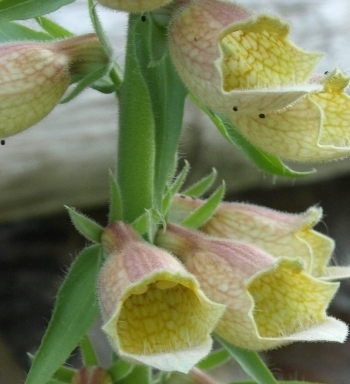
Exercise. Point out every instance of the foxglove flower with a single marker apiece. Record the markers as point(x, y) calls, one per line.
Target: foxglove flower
point(34, 77)
point(245, 66)
point(269, 302)
point(136, 6)
point(154, 310)
point(277, 233)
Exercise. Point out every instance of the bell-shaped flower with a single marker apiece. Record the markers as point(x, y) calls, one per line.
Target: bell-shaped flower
point(154, 310)
point(278, 233)
point(245, 66)
point(34, 76)
point(269, 302)
point(134, 6)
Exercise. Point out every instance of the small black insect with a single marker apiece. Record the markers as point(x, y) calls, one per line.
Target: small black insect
point(2, 142)
point(262, 115)
point(235, 109)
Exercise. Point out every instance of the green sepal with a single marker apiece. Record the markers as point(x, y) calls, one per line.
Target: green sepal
point(250, 362)
point(115, 207)
point(278, 382)
point(202, 214)
point(88, 352)
point(214, 359)
point(11, 31)
point(28, 9)
point(266, 162)
point(120, 369)
point(201, 186)
point(75, 311)
point(158, 41)
point(139, 374)
point(180, 179)
point(64, 374)
point(52, 28)
point(85, 82)
point(87, 227)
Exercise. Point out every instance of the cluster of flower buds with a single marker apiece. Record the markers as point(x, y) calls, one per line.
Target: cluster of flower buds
point(34, 76)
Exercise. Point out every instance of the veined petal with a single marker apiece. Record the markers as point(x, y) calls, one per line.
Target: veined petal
point(278, 233)
point(269, 302)
point(154, 310)
point(209, 38)
point(315, 128)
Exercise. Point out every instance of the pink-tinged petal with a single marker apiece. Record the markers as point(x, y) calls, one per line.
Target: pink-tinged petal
point(154, 310)
point(278, 233)
point(269, 302)
point(209, 38)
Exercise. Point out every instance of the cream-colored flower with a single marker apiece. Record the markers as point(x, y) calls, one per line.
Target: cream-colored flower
point(244, 66)
point(278, 233)
point(136, 6)
point(269, 302)
point(154, 310)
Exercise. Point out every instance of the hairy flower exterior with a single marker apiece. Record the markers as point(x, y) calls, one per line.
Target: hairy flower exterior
point(135, 6)
point(244, 66)
point(269, 302)
point(277, 233)
point(154, 310)
point(34, 77)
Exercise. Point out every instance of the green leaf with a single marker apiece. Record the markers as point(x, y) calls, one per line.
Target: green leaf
point(120, 369)
point(250, 362)
point(279, 382)
point(201, 186)
point(27, 9)
point(140, 374)
point(214, 359)
point(167, 96)
point(84, 83)
point(88, 352)
point(11, 31)
point(75, 311)
point(87, 227)
point(52, 28)
point(64, 374)
point(136, 146)
point(202, 214)
point(115, 208)
point(180, 179)
point(268, 163)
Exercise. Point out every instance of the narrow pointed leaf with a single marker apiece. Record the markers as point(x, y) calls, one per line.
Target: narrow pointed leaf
point(120, 369)
point(214, 359)
point(52, 28)
point(88, 352)
point(202, 214)
point(28, 9)
point(87, 227)
point(180, 179)
point(201, 186)
point(11, 31)
point(64, 374)
point(250, 362)
point(75, 311)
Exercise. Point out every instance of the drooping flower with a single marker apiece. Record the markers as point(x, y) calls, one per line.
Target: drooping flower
point(34, 76)
point(244, 66)
point(269, 302)
point(154, 310)
point(136, 6)
point(278, 233)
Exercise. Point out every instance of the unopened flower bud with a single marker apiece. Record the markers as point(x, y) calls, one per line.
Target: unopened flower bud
point(34, 77)
point(135, 6)
point(154, 310)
